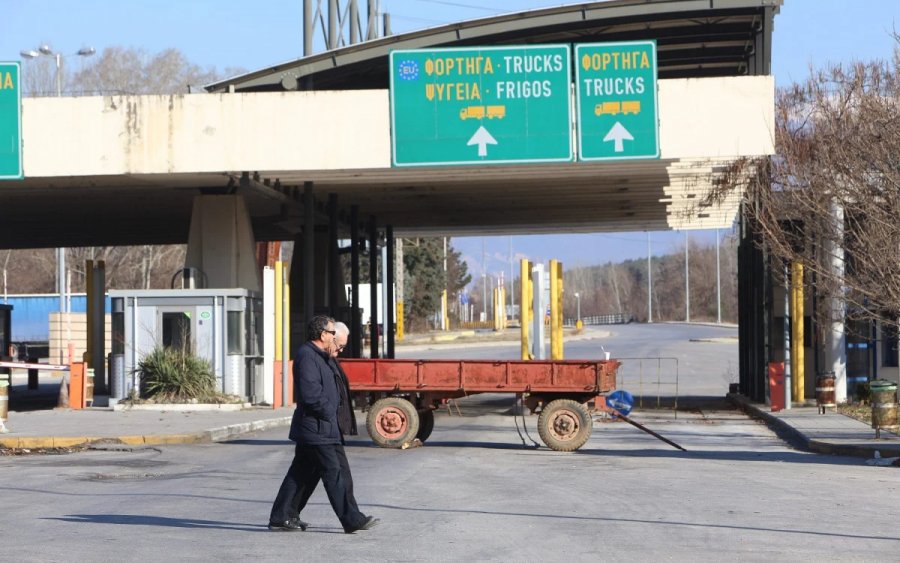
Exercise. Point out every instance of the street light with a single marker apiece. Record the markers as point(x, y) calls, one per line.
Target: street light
point(47, 51)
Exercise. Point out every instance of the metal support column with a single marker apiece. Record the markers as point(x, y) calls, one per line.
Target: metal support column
point(309, 258)
point(335, 279)
point(98, 328)
point(373, 288)
point(355, 322)
point(389, 292)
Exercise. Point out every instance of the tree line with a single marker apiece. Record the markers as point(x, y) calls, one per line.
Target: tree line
point(622, 287)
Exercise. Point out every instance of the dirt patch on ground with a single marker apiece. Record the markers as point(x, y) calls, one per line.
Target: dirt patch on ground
point(41, 451)
point(862, 413)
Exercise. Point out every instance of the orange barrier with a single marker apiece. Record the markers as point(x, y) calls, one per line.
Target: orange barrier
point(776, 385)
point(76, 385)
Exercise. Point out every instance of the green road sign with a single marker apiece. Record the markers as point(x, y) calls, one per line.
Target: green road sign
point(481, 105)
point(616, 99)
point(10, 122)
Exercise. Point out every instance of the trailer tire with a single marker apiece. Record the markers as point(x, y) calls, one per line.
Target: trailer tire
point(564, 425)
point(392, 422)
point(426, 424)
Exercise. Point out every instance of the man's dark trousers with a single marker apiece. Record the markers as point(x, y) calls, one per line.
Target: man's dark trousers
point(311, 463)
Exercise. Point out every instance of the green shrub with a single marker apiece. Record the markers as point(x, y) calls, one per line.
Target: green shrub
point(174, 375)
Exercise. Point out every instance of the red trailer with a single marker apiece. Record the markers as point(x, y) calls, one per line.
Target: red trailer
point(401, 395)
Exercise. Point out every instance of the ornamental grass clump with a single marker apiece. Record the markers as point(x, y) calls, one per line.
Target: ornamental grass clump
point(172, 375)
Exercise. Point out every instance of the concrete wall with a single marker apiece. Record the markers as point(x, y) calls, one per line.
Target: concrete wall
point(105, 135)
point(102, 135)
point(68, 328)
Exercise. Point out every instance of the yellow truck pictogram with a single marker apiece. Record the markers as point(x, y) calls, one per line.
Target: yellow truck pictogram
point(631, 107)
point(471, 112)
point(480, 112)
point(613, 108)
point(496, 111)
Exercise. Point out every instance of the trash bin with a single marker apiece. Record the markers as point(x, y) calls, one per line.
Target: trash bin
point(883, 395)
point(825, 391)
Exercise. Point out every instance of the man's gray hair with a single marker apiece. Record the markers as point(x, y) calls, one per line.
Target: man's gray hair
point(341, 328)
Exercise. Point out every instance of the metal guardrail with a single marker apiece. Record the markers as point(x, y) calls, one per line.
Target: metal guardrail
point(614, 319)
point(646, 377)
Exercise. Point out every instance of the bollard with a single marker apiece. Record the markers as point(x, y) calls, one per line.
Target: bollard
point(883, 395)
point(4, 405)
point(89, 388)
point(825, 391)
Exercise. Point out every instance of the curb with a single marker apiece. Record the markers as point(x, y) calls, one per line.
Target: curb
point(203, 437)
point(782, 429)
point(798, 439)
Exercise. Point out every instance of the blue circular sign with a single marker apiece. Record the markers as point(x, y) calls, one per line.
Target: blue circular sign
point(620, 400)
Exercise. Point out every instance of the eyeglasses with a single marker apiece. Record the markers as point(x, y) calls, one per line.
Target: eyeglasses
point(341, 347)
point(331, 332)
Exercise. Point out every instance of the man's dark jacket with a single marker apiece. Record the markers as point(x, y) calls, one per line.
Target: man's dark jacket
point(346, 420)
point(315, 421)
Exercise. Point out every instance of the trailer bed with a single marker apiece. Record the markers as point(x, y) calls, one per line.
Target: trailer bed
point(482, 376)
point(400, 395)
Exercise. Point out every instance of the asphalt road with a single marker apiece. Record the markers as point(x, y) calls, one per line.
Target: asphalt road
point(473, 492)
point(659, 360)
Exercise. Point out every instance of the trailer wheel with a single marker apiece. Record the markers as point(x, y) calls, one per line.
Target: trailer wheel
point(392, 422)
point(564, 425)
point(426, 424)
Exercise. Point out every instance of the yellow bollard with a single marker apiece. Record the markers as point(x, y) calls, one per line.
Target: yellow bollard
point(525, 305)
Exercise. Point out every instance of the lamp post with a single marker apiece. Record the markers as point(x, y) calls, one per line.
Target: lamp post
point(46, 51)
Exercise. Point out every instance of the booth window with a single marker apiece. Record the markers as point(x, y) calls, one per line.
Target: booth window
point(889, 344)
point(235, 332)
point(177, 331)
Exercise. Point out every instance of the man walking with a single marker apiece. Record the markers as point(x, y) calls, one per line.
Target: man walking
point(319, 453)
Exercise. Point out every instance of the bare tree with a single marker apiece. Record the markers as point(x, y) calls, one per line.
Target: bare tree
point(833, 189)
point(121, 70)
point(117, 70)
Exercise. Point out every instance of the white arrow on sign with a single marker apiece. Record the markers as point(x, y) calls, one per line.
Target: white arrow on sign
point(482, 138)
point(618, 133)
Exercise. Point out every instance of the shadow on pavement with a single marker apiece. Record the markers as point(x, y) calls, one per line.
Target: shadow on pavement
point(146, 520)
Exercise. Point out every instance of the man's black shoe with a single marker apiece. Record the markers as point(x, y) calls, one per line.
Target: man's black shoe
point(291, 525)
point(369, 523)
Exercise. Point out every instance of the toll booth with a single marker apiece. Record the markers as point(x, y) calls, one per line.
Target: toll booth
point(224, 326)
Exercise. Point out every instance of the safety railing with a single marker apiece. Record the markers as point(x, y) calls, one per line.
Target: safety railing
point(649, 380)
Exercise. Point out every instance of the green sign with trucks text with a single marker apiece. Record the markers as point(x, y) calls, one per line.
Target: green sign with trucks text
point(10, 122)
point(481, 105)
point(616, 99)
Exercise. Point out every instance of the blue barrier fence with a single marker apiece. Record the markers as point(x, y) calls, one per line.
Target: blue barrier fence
point(31, 314)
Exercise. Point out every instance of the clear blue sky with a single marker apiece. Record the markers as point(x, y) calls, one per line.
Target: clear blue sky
point(252, 35)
